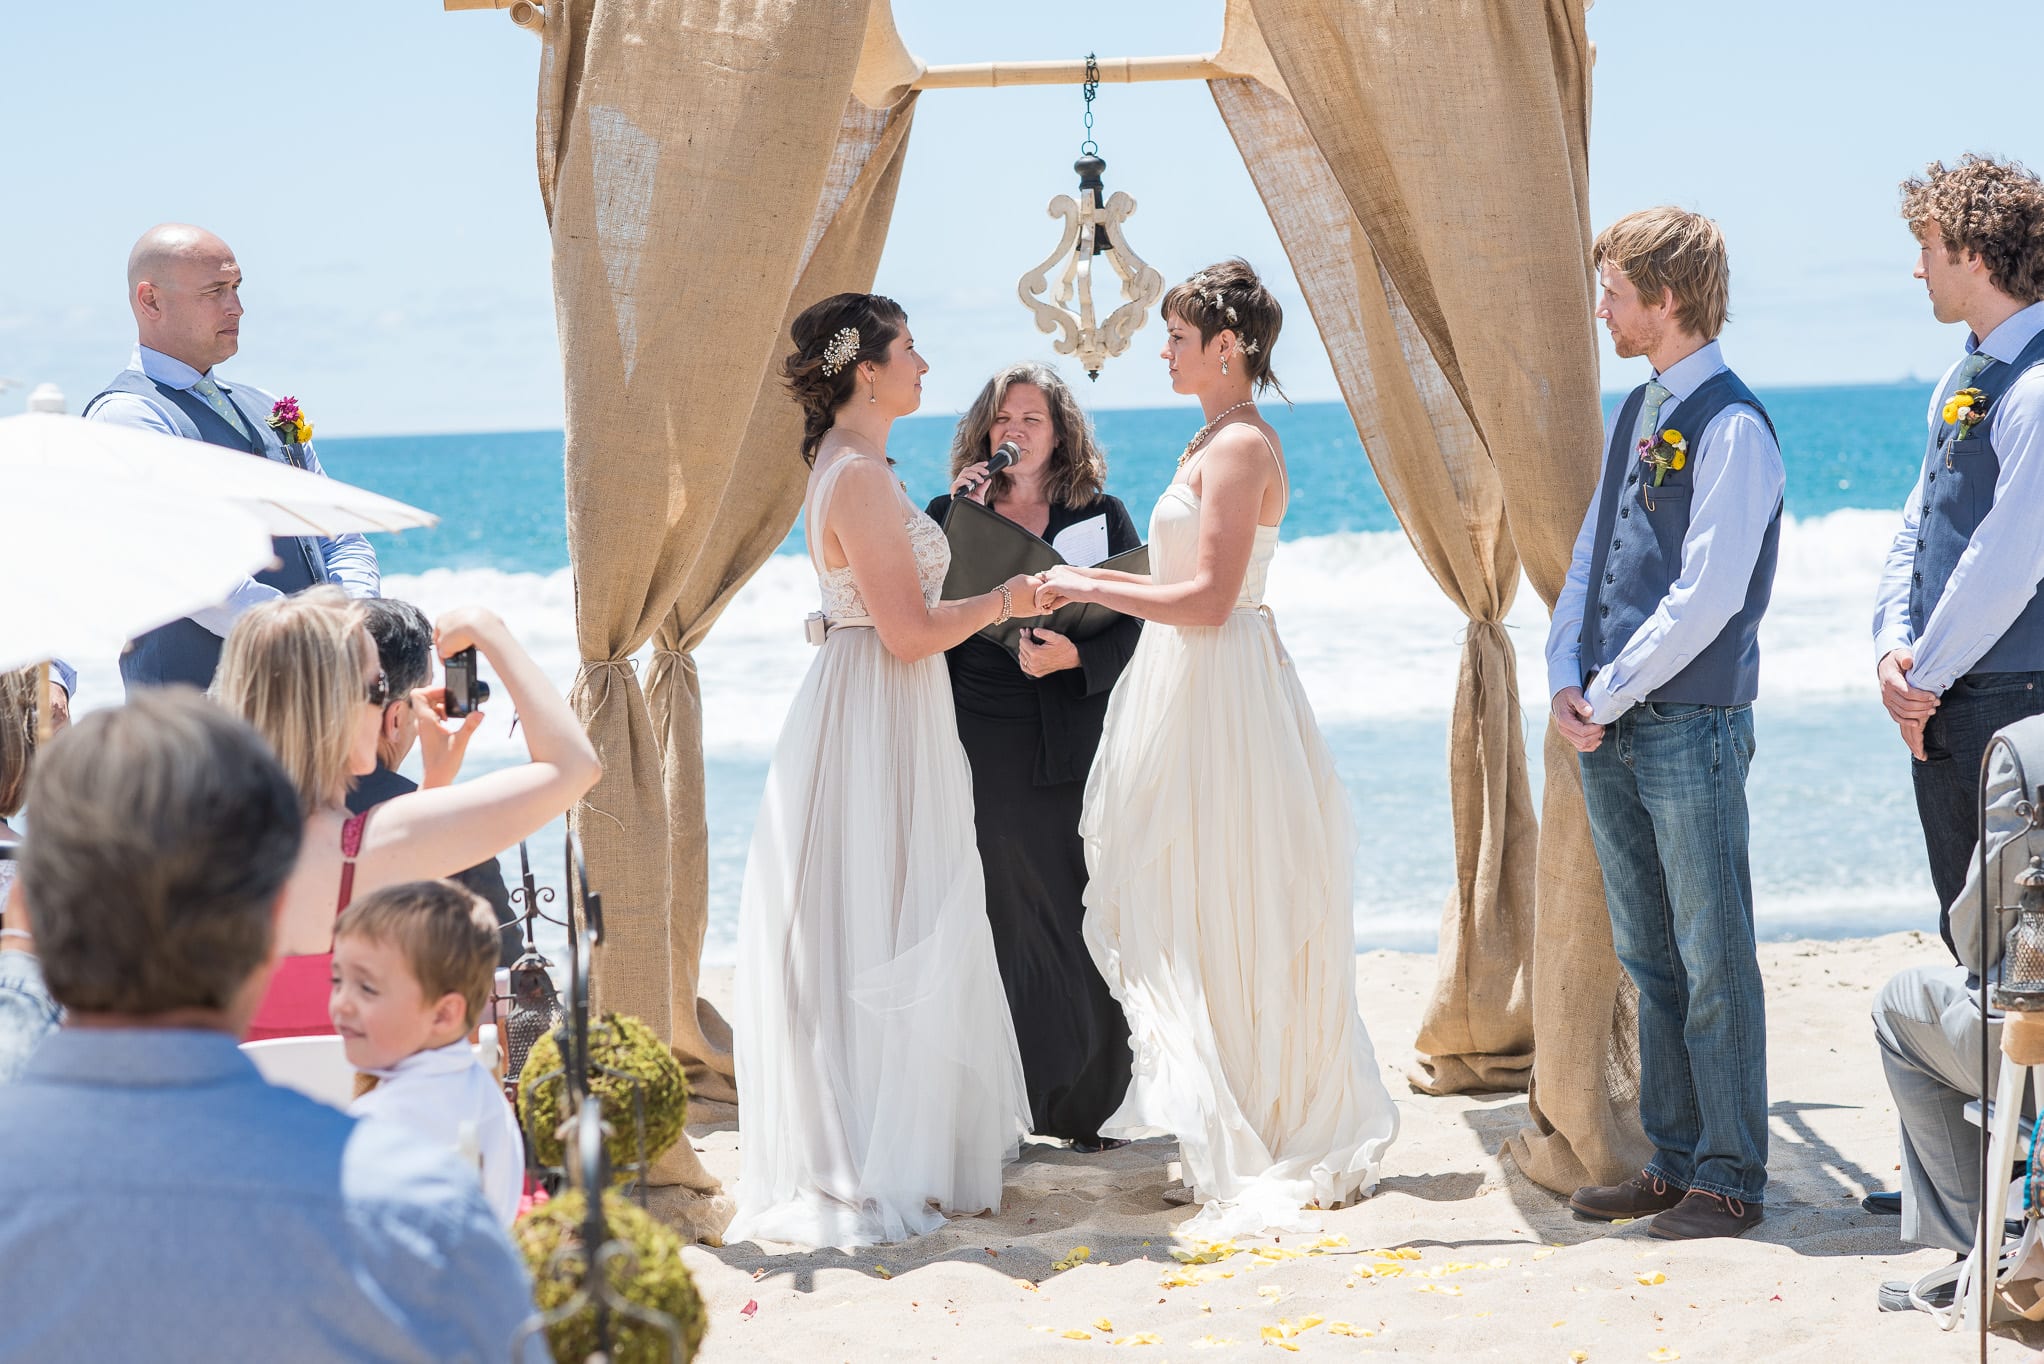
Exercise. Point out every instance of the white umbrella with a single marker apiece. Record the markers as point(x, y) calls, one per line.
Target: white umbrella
point(89, 568)
point(101, 456)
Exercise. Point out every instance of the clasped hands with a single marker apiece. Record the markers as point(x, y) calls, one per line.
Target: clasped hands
point(1572, 718)
point(1909, 707)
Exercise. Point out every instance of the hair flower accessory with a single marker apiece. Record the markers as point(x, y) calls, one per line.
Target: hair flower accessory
point(842, 350)
point(289, 423)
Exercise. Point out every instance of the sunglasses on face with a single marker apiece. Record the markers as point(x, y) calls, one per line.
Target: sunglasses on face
point(377, 693)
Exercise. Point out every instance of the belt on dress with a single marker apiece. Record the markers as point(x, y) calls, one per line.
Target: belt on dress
point(1270, 619)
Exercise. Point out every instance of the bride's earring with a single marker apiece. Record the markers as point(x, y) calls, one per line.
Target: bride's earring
point(871, 395)
point(1224, 366)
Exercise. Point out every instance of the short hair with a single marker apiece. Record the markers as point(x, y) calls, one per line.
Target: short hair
point(292, 668)
point(1994, 209)
point(1231, 297)
point(17, 737)
point(165, 832)
point(404, 643)
point(1672, 249)
point(1078, 468)
point(446, 934)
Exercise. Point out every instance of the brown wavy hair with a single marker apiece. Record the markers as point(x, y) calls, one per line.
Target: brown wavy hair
point(875, 317)
point(1995, 209)
point(1672, 249)
point(17, 737)
point(1231, 297)
point(1078, 466)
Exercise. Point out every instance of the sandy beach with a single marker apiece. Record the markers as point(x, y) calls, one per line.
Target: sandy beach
point(1488, 1265)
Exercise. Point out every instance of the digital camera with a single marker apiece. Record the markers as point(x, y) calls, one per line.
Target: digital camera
point(465, 691)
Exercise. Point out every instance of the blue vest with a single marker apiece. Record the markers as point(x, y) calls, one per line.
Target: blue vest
point(185, 651)
point(1958, 491)
point(1638, 554)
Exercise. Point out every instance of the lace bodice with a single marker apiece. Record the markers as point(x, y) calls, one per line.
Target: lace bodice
point(841, 599)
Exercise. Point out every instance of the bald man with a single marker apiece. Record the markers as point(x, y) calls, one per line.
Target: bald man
point(184, 288)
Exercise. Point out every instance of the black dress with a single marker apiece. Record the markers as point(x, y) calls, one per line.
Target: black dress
point(1030, 742)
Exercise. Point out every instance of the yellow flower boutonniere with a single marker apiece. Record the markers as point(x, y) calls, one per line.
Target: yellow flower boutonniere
point(1663, 452)
point(1965, 410)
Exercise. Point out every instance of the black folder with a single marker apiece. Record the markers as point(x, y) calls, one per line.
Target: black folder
point(987, 549)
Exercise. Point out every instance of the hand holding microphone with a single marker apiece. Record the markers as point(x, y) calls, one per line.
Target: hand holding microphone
point(974, 480)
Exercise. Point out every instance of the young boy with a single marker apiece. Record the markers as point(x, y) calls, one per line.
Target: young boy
point(413, 966)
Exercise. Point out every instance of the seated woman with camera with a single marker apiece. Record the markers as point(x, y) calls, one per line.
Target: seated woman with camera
point(303, 670)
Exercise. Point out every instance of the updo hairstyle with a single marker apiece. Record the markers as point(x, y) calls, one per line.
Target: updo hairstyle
point(876, 318)
point(1230, 297)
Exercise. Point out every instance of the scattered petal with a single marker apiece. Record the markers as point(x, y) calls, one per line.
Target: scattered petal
point(1103, 1324)
point(1078, 1335)
point(1271, 1292)
point(1308, 1323)
point(759, 1274)
point(1543, 1252)
point(1210, 1341)
point(1343, 1328)
point(1578, 1356)
point(745, 1312)
point(1621, 1221)
point(1140, 1338)
point(1663, 1355)
point(1451, 1290)
point(883, 1271)
point(1651, 1277)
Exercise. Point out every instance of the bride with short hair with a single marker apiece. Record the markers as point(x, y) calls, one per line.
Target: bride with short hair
point(879, 1085)
point(1218, 836)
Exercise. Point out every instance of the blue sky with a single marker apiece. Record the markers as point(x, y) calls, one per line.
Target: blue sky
point(373, 168)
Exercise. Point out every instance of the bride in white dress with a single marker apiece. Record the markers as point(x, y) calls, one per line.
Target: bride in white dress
point(1218, 836)
point(879, 1086)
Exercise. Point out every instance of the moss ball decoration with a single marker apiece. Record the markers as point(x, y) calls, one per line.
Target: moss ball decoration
point(618, 1043)
point(657, 1279)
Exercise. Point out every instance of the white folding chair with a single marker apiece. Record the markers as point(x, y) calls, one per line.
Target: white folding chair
point(316, 1067)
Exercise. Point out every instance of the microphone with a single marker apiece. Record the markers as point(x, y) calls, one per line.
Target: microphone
point(1006, 454)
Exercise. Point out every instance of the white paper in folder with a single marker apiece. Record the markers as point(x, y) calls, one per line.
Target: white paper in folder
point(1083, 543)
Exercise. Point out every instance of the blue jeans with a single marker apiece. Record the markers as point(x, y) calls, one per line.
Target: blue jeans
point(1666, 792)
point(1948, 780)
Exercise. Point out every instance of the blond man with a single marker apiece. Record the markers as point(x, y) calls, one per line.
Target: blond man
point(1653, 662)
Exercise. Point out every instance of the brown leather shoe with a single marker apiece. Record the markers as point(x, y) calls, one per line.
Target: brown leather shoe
point(1703, 1214)
point(1641, 1196)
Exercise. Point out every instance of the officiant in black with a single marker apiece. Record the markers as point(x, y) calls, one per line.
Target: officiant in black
point(1030, 725)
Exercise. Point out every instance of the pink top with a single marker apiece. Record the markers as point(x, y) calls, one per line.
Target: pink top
point(296, 1002)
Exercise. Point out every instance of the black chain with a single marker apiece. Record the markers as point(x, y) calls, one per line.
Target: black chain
point(1089, 147)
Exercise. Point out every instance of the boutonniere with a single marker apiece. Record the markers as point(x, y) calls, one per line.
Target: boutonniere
point(1964, 410)
point(1662, 452)
point(289, 423)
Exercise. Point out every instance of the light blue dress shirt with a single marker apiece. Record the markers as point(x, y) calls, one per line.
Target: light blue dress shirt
point(350, 559)
point(2004, 561)
point(27, 1013)
point(1738, 485)
point(159, 1201)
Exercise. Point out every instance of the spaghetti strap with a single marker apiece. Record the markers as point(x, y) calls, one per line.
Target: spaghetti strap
point(1284, 479)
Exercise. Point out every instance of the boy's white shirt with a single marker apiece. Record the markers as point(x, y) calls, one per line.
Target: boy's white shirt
point(446, 1096)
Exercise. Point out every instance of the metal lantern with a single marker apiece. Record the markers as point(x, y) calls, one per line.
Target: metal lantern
point(1093, 232)
point(2022, 963)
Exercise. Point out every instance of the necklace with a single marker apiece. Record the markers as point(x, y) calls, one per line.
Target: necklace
point(1193, 445)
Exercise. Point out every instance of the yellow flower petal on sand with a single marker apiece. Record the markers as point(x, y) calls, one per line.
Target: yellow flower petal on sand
point(883, 1271)
point(1663, 1355)
point(1140, 1338)
point(1078, 1335)
point(1343, 1328)
point(1401, 1253)
point(1271, 1292)
point(1210, 1341)
point(1103, 1324)
point(1308, 1323)
point(1578, 1356)
point(1543, 1252)
point(1275, 1335)
point(1651, 1277)
point(1330, 1242)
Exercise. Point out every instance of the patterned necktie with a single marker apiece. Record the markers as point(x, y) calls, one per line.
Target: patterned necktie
point(1970, 367)
point(217, 400)
point(1650, 411)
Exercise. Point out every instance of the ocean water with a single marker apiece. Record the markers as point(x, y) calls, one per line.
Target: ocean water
point(1836, 850)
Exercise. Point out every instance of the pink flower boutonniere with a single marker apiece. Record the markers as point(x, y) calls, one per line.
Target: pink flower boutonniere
point(289, 423)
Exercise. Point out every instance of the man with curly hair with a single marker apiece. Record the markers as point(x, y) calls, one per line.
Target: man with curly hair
point(1959, 627)
point(1959, 631)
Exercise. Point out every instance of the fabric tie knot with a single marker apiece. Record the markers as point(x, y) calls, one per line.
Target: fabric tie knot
point(1657, 397)
point(217, 400)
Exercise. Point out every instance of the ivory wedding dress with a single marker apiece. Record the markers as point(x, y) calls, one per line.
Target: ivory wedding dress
point(1220, 844)
point(879, 1085)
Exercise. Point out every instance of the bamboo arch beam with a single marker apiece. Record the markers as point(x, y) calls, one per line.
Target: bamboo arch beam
point(1116, 70)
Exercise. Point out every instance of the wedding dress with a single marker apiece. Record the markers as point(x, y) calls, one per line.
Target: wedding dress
point(879, 1085)
point(1220, 845)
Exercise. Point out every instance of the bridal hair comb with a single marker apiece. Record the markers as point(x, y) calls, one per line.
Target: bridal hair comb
point(843, 348)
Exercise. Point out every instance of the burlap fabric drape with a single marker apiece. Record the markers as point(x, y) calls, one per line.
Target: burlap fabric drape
point(684, 146)
point(759, 501)
point(1427, 169)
